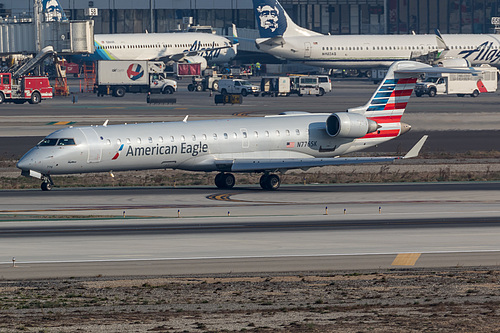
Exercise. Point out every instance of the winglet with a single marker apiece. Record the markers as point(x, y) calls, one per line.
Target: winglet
point(440, 41)
point(416, 148)
point(185, 119)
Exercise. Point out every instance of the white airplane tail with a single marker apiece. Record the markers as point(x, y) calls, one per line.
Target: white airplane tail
point(273, 21)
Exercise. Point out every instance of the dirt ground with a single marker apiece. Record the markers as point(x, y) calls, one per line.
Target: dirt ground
point(409, 300)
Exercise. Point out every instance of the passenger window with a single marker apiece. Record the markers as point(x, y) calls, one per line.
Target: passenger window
point(245, 135)
point(172, 139)
point(128, 141)
point(256, 134)
point(287, 133)
point(183, 138)
point(215, 136)
point(235, 135)
point(108, 142)
point(277, 133)
point(225, 136)
point(193, 137)
point(204, 136)
point(150, 140)
point(139, 140)
point(160, 139)
point(267, 133)
point(297, 132)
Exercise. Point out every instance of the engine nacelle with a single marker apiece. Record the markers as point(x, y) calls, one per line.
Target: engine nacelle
point(454, 63)
point(349, 125)
point(195, 59)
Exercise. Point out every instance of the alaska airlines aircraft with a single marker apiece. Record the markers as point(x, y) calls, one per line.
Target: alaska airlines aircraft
point(292, 140)
point(281, 37)
point(176, 47)
point(167, 47)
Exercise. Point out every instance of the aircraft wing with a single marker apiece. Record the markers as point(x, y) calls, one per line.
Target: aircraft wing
point(246, 165)
point(279, 40)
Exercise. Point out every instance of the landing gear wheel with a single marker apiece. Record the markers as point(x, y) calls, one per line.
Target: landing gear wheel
point(46, 186)
point(225, 180)
point(270, 182)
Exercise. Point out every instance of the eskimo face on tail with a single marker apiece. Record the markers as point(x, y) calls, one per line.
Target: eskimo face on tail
point(53, 11)
point(270, 18)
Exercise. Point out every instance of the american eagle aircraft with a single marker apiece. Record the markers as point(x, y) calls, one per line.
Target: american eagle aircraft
point(281, 37)
point(293, 140)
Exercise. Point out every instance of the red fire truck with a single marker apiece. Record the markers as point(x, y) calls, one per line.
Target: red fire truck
point(30, 89)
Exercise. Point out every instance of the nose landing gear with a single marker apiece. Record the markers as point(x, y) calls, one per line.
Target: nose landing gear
point(47, 183)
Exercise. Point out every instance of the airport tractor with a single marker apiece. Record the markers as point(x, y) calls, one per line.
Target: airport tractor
point(117, 77)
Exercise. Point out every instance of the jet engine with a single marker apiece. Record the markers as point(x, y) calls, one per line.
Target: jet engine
point(349, 125)
point(454, 62)
point(195, 59)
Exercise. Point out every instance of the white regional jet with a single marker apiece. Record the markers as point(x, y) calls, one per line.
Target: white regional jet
point(292, 140)
point(281, 37)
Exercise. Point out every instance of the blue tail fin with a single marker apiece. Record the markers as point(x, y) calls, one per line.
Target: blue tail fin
point(53, 11)
point(273, 21)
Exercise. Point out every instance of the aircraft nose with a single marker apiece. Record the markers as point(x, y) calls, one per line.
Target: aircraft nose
point(24, 163)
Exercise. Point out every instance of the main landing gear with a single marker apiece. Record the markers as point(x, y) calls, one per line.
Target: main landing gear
point(47, 183)
point(270, 182)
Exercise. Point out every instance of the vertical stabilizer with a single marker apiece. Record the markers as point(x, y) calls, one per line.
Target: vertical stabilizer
point(389, 102)
point(53, 11)
point(273, 21)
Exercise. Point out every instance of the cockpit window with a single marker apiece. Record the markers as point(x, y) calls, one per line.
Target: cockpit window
point(48, 142)
point(66, 142)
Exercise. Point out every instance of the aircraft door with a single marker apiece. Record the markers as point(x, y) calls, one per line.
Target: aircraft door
point(307, 50)
point(93, 143)
point(244, 138)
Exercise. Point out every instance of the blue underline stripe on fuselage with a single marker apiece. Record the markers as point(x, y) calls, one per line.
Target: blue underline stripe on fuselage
point(349, 60)
point(391, 81)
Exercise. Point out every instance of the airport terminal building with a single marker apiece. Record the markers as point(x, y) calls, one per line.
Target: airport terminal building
point(325, 16)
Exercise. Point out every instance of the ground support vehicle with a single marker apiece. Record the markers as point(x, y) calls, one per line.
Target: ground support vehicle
point(238, 86)
point(119, 77)
point(460, 84)
point(32, 89)
point(275, 86)
point(305, 85)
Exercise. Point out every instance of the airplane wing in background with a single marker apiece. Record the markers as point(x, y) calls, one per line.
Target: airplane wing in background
point(273, 41)
point(247, 165)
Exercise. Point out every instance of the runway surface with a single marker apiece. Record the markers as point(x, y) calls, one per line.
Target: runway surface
point(148, 231)
point(202, 230)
